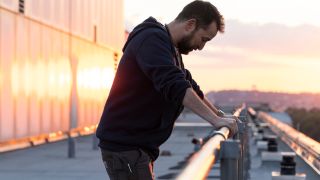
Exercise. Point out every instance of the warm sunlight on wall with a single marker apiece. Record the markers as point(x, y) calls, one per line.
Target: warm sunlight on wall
point(37, 65)
point(42, 88)
point(94, 81)
point(41, 79)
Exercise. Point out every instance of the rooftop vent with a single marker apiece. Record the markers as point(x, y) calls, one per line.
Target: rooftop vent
point(21, 6)
point(288, 169)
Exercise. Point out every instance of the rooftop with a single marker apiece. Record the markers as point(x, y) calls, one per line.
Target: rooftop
point(50, 161)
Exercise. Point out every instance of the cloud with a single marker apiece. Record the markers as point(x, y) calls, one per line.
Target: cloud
point(271, 38)
point(230, 57)
point(256, 46)
point(228, 61)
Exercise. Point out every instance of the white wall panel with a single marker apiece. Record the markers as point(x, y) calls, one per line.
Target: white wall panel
point(95, 11)
point(36, 70)
point(113, 24)
point(10, 4)
point(67, 89)
point(64, 18)
point(108, 24)
point(1, 72)
point(46, 12)
point(90, 25)
point(7, 52)
point(31, 9)
point(52, 7)
point(41, 4)
point(55, 13)
point(121, 25)
point(34, 57)
point(85, 20)
point(106, 14)
point(101, 29)
point(75, 11)
point(21, 103)
point(47, 100)
point(56, 51)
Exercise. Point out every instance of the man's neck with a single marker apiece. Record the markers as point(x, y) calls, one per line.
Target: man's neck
point(175, 32)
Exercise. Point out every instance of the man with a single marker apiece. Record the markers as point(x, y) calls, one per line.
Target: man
point(150, 89)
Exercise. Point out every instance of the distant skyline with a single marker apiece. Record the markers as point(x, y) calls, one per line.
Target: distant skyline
point(272, 45)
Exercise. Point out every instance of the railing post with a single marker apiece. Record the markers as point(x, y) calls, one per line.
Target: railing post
point(73, 114)
point(244, 143)
point(71, 147)
point(230, 154)
point(246, 149)
point(241, 138)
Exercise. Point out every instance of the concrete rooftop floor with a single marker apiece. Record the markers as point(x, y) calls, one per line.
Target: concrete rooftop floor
point(50, 162)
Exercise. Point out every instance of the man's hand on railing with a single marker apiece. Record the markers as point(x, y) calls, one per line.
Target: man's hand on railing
point(230, 123)
point(224, 115)
point(233, 117)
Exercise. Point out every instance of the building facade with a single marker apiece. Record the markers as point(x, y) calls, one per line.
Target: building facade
point(57, 63)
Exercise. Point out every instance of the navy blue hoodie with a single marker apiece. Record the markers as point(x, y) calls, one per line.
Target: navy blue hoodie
point(147, 92)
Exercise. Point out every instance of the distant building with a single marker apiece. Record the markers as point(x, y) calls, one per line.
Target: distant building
point(46, 46)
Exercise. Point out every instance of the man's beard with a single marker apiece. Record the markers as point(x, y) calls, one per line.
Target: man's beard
point(184, 45)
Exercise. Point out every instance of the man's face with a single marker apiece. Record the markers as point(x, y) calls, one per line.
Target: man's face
point(197, 38)
point(185, 45)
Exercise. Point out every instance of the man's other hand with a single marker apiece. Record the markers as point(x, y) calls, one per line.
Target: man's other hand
point(230, 123)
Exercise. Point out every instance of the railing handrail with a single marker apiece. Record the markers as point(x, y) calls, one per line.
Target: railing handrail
point(239, 110)
point(200, 163)
point(287, 133)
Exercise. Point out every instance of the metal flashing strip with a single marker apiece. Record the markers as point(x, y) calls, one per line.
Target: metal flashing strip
point(23, 143)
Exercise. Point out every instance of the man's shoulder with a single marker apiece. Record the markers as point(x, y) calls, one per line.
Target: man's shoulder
point(149, 32)
point(155, 31)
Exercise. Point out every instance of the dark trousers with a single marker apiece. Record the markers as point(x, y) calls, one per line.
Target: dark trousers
point(128, 165)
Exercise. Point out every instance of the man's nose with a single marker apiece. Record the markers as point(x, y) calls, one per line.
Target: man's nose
point(201, 46)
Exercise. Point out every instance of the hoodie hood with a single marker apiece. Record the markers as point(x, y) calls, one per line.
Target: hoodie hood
point(151, 22)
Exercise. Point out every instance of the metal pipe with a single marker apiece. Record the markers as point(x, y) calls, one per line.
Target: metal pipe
point(201, 162)
point(307, 148)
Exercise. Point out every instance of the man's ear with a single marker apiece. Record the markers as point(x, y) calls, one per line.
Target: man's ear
point(191, 25)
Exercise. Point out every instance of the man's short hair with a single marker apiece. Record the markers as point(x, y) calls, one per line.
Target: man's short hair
point(204, 13)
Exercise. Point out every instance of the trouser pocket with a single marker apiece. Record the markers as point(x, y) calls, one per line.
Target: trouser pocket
point(144, 167)
point(113, 166)
point(131, 165)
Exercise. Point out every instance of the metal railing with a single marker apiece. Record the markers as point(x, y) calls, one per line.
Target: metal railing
point(307, 148)
point(201, 162)
point(231, 152)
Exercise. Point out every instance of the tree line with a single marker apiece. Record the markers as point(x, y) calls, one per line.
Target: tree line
point(306, 121)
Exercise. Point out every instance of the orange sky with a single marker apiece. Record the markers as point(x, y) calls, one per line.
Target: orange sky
point(270, 44)
point(273, 57)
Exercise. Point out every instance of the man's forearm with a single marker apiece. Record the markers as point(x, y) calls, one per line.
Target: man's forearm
point(208, 103)
point(193, 102)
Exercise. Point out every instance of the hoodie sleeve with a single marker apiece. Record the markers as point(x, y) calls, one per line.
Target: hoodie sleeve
point(194, 84)
point(155, 59)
